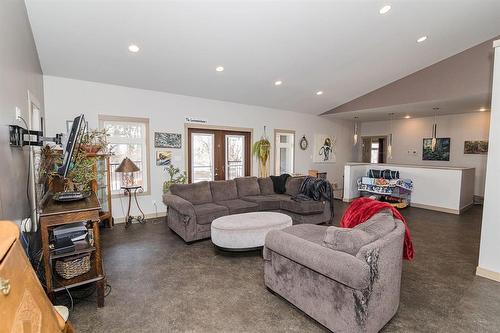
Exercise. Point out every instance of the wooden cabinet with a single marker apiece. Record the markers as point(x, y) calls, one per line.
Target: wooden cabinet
point(55, 214)
point(24, 307)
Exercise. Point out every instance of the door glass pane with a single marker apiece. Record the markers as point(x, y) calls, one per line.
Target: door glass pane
point(202, 157)
point(235, 160)
point(374, 156)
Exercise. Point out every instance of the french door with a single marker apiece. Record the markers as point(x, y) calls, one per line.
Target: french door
point(217, 154)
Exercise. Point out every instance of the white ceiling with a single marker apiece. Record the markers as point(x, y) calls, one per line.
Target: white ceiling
point(344, 48)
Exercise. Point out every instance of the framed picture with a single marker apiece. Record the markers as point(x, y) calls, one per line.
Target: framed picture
point(324, 148)
point(168, 140)
point(441, 151)
point(163, 157)
point(476, 147)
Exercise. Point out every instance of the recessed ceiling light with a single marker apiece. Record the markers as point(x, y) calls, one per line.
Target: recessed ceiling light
point(278, 83)
point(407, 116)
point(482, 109)
point(219, 69)
point(384, 9)
point(421, 39)
point(133, 48)
point(319, 93)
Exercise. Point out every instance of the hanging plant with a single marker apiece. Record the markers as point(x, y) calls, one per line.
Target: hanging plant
point(262, 150)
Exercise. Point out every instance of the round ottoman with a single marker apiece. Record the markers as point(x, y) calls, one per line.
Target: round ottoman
point(246, 232)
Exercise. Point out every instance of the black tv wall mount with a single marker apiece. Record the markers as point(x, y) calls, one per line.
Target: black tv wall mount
point(19, 137)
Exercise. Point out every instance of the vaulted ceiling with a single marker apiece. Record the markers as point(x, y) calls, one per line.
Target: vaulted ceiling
point(343, 48)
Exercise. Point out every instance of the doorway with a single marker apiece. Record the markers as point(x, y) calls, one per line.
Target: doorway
point(218, 154)
point(374, 149)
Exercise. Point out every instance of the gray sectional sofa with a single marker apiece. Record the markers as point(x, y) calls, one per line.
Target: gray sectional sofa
point(193, 207)
point(347, 279)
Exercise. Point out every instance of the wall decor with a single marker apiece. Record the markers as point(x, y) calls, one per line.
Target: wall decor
point(476, 147)
point(441, 151)
point(324, 148)
point(168, 140)
point(163, 157)
point(303, 144)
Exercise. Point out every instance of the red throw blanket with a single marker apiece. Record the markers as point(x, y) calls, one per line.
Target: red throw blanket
point(363, 209)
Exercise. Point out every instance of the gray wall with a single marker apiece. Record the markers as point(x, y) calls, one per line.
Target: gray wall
point(20, 71)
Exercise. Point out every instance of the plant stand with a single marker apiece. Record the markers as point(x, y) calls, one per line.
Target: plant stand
point(132, 191)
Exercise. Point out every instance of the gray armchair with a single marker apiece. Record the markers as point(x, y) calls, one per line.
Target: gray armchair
point(346, 279)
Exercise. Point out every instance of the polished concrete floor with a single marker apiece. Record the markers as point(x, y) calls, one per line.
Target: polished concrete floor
point(160, 284)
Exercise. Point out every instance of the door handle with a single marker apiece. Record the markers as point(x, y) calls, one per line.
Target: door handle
point(4, 286)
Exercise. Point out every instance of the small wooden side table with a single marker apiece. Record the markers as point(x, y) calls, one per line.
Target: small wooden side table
point(132, 191)
point(53, 214)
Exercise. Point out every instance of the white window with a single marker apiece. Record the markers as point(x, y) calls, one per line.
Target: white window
point(284, 142)
point(128, 137)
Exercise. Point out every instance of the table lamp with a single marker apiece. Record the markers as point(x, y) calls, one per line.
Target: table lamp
point(127, 168)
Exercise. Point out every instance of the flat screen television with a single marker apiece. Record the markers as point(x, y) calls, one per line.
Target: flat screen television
point(71, 148)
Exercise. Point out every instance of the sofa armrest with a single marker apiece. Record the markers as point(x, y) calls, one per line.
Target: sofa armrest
point(182, 206)
point(336, 265)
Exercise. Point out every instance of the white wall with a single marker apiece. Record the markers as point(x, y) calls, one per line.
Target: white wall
point(65, 98)
point(19, 72)
point(409, 133)
point(489, 253)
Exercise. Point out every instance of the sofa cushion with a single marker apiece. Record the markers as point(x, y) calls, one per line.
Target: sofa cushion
point(310, 232)
point(266, 186)
point(303, 207)
point(293, 184)
point(224, 190)
point(206, 213)
point(346, 239)
point(265, 202)
point(196, 193)
point(379, 224)
point(238, 206)
point(247, 186)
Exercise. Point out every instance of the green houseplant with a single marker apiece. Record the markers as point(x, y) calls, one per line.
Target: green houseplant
point(82, 174)
point(94, 141)
point(175, 177)
point(262, 150)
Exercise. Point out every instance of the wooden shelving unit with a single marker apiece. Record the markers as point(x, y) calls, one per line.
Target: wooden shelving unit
point(53, 214)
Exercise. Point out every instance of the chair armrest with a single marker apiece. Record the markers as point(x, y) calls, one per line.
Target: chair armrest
point(336, 265)
point(181, 205)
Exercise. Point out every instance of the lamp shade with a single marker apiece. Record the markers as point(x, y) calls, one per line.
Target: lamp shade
point(127, 166)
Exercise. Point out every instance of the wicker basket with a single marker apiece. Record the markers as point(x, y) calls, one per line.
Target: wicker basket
point(70, 267)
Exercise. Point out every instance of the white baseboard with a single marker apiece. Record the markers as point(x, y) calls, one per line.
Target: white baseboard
point(486, 273)
point(119, 220)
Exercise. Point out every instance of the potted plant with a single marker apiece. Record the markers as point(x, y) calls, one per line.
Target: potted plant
point(82, 174)
point(94, 141)
point(175, 177)
point(262, 150)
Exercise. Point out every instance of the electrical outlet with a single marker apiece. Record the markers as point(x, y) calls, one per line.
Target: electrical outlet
point(18, 113)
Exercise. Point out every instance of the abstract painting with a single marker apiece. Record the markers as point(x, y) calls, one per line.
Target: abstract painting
point(167, 140)
point(324, 148)
point(476, 147)
point(163, 157)
point(441, 151)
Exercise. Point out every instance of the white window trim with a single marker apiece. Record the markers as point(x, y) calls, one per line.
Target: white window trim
point(103, 118)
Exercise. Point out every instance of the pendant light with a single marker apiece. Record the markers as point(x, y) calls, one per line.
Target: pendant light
point(434, 131)
point(389, 145)
point(356, 128)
